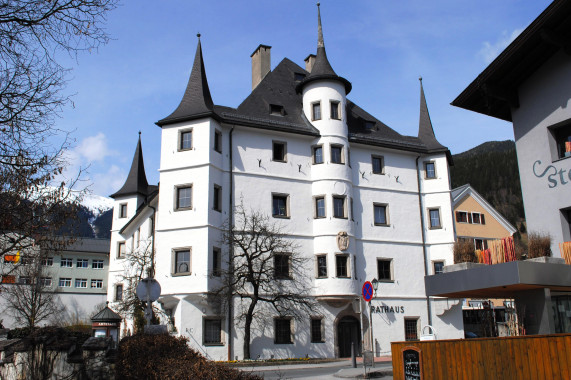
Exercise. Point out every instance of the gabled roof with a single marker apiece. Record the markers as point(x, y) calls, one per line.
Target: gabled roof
point(106, 315)
point(462, 192)
point(494, 91)
point(196, 101)
point(136, 182)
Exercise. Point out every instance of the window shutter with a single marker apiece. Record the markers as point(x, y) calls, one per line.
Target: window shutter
point(469, 217)
point(482, 219)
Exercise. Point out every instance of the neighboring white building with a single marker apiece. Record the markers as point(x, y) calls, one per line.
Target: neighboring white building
point(297, 149)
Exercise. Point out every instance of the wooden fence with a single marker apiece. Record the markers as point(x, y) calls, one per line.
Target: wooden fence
point(523, 357)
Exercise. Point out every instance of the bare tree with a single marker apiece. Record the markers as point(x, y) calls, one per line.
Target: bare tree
point(33, 35)
point(265, 269)
point(31, 299)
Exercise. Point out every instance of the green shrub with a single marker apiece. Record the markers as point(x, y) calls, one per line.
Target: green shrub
point(539, 245)
point(464, 252)
point(166, 357)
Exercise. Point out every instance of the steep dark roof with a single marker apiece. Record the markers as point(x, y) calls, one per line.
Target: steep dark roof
point(494, 91)
point(136, 182)
point(425, 130)
point(106, 315)
point(322, 69)
point(196, 101)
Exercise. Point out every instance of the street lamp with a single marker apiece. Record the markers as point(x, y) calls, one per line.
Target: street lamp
point(375, 283)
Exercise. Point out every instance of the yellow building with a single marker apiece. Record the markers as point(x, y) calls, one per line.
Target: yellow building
point(476, 219)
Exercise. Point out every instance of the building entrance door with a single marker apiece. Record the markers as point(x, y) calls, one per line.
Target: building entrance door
point(348, 331)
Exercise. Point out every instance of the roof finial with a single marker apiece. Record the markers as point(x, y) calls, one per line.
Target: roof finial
point(319, 29)
point(198, 35)
point(420, 79)
point(139, 134)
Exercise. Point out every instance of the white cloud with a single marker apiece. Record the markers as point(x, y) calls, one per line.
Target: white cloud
point(490, 51)
point(108, 182)
point(94, 148)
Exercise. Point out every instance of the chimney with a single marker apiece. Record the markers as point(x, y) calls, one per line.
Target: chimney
point(261, 64)
point(309, 62)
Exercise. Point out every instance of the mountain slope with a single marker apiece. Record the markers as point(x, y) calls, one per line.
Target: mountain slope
point(491, 168)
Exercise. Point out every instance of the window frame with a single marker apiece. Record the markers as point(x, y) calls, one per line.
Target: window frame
point(64, 282)
point(417, 332)
point(314, 156)
point(46, 282)
point(220, 328)
point(391, 269)
point(216, 262)
point(278, 337)
point(313, 329)
point(434, 263)
point(120, 254)
point(82, 283)
point(284, 153)
point(118, 295)
point(341, 154)
point(317, 266)
point(459, 215)
point(95, 264)
point(386, 207)
point(316, 208)
point(177, 190)
point(96, 281)
point(174, 257)
point(275, 196)
point(382, 163)
point(82, 261)
point(217, 198)
point(181, 134)
point(313, 113)
point(122, 210)
point(48, 261)
point(433, 227)
point(68, 262)
point(557, 141)
point(426, 176)
point(337, 197)
point(276, 109)
point(280, 274)
point(347, 265)
point(335, 105)
point(217, 141)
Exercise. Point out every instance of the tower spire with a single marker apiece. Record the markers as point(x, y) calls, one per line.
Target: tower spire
point(425, 130)
point(196, 101)
point(136, 182)
point(320, 42)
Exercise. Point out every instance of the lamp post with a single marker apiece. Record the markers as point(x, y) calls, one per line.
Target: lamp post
point(375, 283)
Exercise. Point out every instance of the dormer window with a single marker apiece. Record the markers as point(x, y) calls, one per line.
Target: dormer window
point(277, 110)
point(369, 125)
point(298, 77)
point(316, 111)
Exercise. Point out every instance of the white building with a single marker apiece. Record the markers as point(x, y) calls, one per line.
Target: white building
point(299, 150)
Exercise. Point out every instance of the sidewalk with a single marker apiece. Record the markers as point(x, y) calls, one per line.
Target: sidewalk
point(375, 372)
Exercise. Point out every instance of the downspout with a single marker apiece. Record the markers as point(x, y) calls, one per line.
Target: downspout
point(230, 244)
point(420, 208)
point(152, 274)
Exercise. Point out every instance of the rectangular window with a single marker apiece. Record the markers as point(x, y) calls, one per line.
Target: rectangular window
point(119, 292)
point(429, 170)
point(337, 154)
point(217, 198)
point(123, 210)
point(25, 280)
point(480, 244)
point(121, 250)
point(342, 266)
point(335, 114)
point(316, 330)
point(461, 216)
point(282, 331)
point(48, 261)
point(280, 207)
point(218, 141)
point(380, 211)
point(65, 282)
point(97, 264)
point(378, 164)
point(182, 261)
point(183, 197)
point(438, 266)
point(411, 329)
point(282, 266)
point(46, 282)
point(97, 284)
point(351, 207)
point(81, 283)
point(82, 263)
point(66, 262)
point(216, 262)
point(476, 218)
point(185, 140)
point(562, 136)
point(318, 154)
point(277, 110)
point(322, 266)
point(8, 279)
point(339, 209)
point(384, 270)
point(434, 218)
point(279, 151)
point(319, 207)
point(316, 111)
point(212, 331)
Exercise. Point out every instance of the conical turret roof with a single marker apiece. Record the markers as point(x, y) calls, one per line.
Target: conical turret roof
point(322, 69)
point(425, 130)
point(196, 101)
point(136, 182)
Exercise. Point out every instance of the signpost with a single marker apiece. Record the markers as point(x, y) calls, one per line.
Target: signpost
point(148, 290)
point(367, 291)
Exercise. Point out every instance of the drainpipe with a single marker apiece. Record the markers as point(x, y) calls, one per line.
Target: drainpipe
point(420, 208)
point(152, 274)
point(230, 244)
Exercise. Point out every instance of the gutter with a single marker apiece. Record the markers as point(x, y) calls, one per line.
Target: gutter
point(420, 209)
point(230, 244)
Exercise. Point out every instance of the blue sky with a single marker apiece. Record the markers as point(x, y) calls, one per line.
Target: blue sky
point(380, 46)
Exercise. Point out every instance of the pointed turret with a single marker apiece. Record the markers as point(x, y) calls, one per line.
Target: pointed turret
point(322, 69)
point(136, 183)
point(425, 130)
point(196, 101)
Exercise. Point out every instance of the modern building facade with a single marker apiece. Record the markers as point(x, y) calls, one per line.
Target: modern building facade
point(360, 200)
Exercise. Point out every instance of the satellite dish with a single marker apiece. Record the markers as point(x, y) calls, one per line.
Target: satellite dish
point(148, 289)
